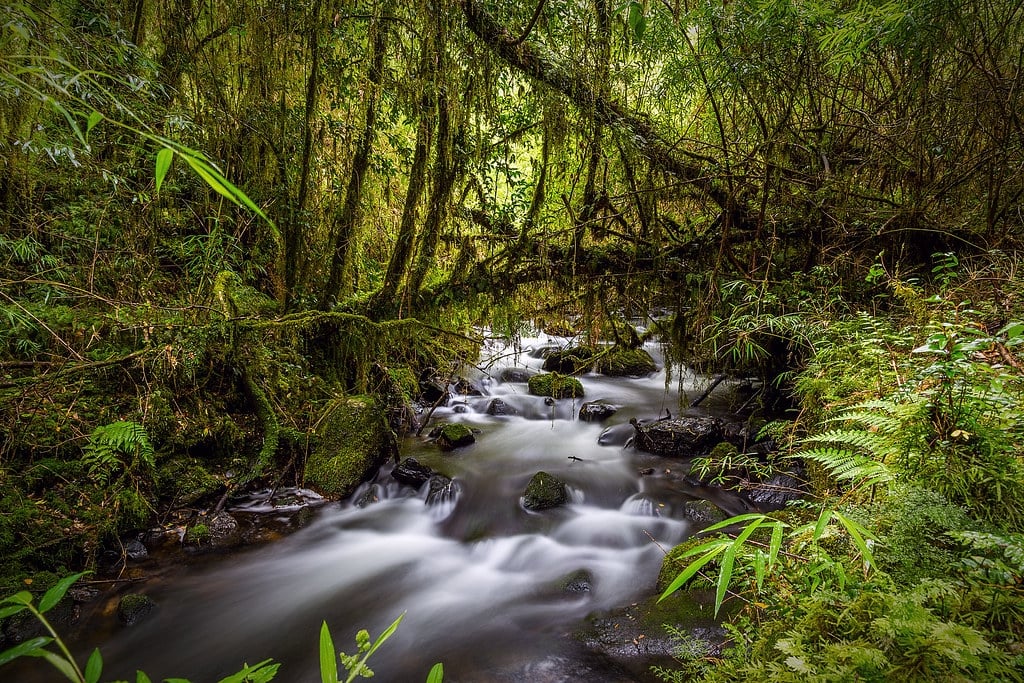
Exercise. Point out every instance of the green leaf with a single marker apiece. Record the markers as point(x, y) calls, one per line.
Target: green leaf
point(216, 180)
point(328, 657)
point(163, 164)
point(758, 569)
point(28, 648)
point(141, 677)
point(94, 118)
point(724, 576)
point(637, 20)
point(10, 611)
point(436, 674)
point(823, 520)
point(62, 665)
point(858, 533)
point(54, 595)
point(692, 569)
point(1012, 331)
point(775, 545)
point(257, 673)
point(733, 520)
point(94, 667)
point(21, 598)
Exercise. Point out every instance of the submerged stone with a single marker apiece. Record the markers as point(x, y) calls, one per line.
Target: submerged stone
point(544, 491)
point(498, 406)
point(411, 472)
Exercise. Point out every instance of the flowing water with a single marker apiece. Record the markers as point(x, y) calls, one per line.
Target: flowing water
point(482, 582)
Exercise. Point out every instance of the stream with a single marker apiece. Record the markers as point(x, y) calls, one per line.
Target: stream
point(490, 589)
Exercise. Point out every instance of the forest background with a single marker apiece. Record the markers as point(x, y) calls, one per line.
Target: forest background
point(222, 220)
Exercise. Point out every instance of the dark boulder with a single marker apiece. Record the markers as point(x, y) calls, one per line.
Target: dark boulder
point(571, 361)
point(516, 375)
point(682, 437)
point(442, 489)
point(134, 607)
point(468, 387)
point(544, 491)
point(135, 550)
point(597, 411)
point(433, 392)
point(617, 435)
point(779, 490)
point(498, 406)
point(411, 472)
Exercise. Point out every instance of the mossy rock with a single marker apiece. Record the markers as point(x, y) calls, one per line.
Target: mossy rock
point(555, 385)
point(674, 563)
point(544, 491)
point(723, 450)
point(623, 362)
point(454, 436)
point(133, 608)
point(570, 361)
point(186, 481)
point(353, 441)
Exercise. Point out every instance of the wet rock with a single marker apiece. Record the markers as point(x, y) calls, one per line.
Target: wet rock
point(442, 489)
point(516, 375)
point(616, 435)
point(369, 497)
point(779, 490)
point(571, 361)
point(134, 607)
point(468, 387)
point(682, 437)
point(555, 385)
point(135, 550)
point(703, 512)
point(448, 437)
point(498, 406)
point(433, 392)
point(542, 351)
point(217, 531)
point(579, 581)
point(411, 472)
point(635, 637)
point(597, 411)
point(544, 491)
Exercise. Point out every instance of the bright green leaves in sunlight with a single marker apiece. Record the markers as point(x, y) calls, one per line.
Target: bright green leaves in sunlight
point(163, 164)
point(758, 557)
point(637, 20)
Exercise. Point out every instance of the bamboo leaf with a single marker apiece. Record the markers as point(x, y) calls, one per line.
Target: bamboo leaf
point(734, 520)
point(11, 610)
point(724, 576)
point(857, 533)
point(54, 595)
point(94, 667)
point(94, 118)
point(28, 648)
point(692, 569)
point(328, 657)
point(21, 598)
point(163, 164)
point(60, 664)
point(775, 545)
point(436, 674)
point(823, 520)
point(141, 677)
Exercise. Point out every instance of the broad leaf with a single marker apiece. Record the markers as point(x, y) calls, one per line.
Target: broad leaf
point(163, 164)
point(28, 648)
point(57, 592)
point(94, 667)
point(328, 656)
point(436, 674)
point(692, 569)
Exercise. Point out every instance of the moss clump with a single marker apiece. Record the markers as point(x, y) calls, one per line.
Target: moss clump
point(623, 362)
point(674, 563)
point(134, 607)
point(198, 534)
point(544, 491)
point(185, 481)
point(555, 385)
point(353, 441)
point(454, 436)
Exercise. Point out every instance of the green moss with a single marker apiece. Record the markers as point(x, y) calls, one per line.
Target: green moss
point(571, 361)
point(623, 362)
point(185, 481)
point(454, 436)
point(674, 562)
point(544, 491)
point(353, 440)
point(555, 385)
point(197, 534)
point(723, 450)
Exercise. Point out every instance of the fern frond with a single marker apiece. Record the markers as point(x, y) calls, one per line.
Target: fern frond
point(846, 465)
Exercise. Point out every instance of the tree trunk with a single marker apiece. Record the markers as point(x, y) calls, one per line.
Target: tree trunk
point(346, 221)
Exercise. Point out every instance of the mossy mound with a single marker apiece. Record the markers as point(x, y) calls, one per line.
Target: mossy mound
point(623, 362)
point(454, 436)
point(185, 481)
point(674, 563)
point(555, 385)
point(133, 608)
point(353, 441)
point(544, 491)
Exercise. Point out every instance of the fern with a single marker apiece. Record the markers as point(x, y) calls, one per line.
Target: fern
point(122, 445)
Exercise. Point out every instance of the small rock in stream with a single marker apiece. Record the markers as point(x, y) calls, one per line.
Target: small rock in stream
point(544, 491)
point(133, 608)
